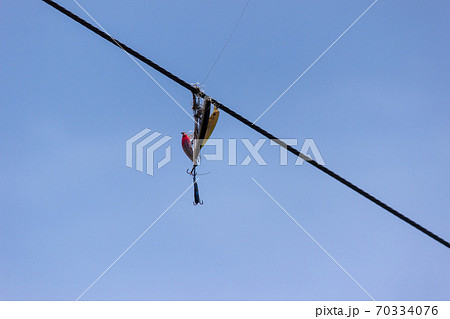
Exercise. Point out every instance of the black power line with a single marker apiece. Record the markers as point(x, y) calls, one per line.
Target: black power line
point(119, 44)
point(242, 119)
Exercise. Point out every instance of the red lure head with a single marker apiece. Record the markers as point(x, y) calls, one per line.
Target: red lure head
point(185, 137)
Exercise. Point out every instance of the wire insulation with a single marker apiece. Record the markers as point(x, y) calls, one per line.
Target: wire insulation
point(242, 119)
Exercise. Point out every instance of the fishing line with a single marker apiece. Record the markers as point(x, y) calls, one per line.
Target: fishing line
point(196, 91)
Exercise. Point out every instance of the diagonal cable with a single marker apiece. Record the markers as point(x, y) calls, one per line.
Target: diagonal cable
point(196, 91)
point(314, 240)
point(312, 64)
point(133, 243)
point(226, 43)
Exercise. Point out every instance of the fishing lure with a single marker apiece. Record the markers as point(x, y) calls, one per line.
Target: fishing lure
point(205, 122)
point(196, 192)
point(186, 144)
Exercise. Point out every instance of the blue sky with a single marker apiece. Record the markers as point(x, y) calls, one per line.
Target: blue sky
point(376, 106)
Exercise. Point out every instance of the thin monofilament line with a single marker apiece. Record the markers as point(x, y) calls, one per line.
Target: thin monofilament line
point(312, 64)
point(245, 121)
point(133, 243)
point(226, 43)
point(314, 240)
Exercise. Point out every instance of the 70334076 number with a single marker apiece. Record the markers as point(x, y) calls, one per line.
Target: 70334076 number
point(402, 310)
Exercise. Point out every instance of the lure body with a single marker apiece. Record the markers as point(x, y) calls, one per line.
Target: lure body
point(211, 124)
point(187, 146)
point(202, 117)
point(196, 194)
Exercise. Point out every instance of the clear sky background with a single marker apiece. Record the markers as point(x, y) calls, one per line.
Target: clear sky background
point(376, 106)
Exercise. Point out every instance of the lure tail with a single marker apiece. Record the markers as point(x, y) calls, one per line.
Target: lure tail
point(196, 192)
point(197, 195)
